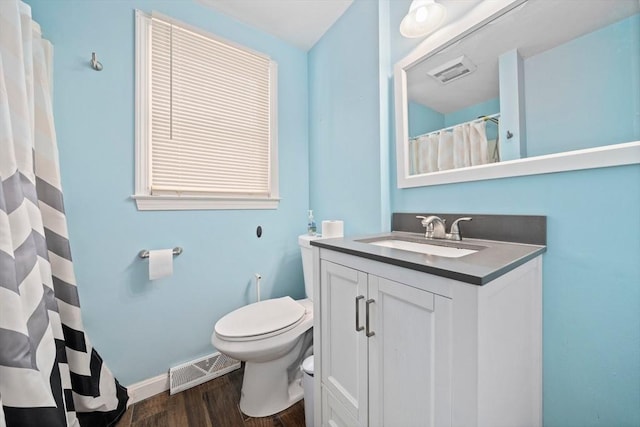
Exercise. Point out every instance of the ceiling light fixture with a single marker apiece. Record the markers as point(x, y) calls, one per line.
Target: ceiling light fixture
point(424, 17)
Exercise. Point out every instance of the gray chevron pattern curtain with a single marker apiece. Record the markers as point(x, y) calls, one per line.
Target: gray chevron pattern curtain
point(50, 375)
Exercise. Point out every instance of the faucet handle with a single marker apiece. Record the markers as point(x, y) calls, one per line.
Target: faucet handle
point(434, 227)
point(455, 229)
point(427, 225)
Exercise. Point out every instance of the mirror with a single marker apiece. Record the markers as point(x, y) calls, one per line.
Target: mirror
point(521, 87)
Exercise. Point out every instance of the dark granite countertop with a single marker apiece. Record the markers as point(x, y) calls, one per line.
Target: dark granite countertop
point(492, 259)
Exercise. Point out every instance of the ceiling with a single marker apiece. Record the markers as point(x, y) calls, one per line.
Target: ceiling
point(303, 22)
point(533, 28)
point(298, 22)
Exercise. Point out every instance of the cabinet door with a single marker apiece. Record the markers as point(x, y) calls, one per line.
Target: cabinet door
point(334, 413)
point(409, 356)
point(344, 348)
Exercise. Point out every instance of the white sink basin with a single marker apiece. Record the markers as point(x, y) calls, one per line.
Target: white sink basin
point(424, 248)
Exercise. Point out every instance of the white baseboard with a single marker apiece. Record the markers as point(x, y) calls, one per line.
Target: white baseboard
point(146, 388)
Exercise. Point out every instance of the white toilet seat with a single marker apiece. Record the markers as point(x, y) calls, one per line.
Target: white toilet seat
point(266, 386)
point(261, 320)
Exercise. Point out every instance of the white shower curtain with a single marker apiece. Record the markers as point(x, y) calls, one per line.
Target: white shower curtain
point(427, 153)
point(414, 156)
point(445, 151)
point(462, 146)
point(478, 146)
point(49, 373)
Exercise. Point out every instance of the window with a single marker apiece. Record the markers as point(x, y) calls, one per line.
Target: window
point(206, 135)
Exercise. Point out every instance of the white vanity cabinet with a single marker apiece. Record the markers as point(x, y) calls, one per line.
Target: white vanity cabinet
point(367, 377)
point(431, 351)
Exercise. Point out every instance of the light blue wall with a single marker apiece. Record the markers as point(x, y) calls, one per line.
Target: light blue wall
point(344, 123)
point(140, 327)
point(598, 76)
point(486, 108)
point(423, 119)
point(512, 111)
point(591, 269)
point(591, 275)
point(472, 112)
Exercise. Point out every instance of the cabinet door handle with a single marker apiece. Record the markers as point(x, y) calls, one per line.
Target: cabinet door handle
point(369, 332)
point(358, 327)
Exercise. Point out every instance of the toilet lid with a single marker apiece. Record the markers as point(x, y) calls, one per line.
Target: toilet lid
point(260, 318)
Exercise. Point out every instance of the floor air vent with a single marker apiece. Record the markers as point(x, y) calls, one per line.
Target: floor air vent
point(201, 370)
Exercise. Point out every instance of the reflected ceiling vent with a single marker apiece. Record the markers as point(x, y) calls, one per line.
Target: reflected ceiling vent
point(452, 70)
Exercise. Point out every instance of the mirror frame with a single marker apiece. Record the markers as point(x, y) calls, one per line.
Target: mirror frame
point(604, 156)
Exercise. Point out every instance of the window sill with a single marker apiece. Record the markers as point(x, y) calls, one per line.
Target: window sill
point(146, 202)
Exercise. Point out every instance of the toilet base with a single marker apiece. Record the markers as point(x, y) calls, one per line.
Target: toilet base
point(266, 389)
point(272, 379)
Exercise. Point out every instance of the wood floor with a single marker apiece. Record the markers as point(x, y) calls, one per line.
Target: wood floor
point(212, 404)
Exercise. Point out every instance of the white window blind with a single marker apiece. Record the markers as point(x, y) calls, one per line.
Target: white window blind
point(210, 119)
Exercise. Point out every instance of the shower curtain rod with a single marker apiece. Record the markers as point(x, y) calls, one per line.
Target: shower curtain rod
point(492, 118)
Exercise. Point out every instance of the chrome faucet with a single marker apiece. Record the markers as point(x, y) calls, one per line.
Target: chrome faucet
point(435, 228)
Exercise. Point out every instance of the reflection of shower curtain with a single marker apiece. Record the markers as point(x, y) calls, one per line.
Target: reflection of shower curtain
point(445, 151)
point(463, 146)
point(427, 153)
point(49, 373)
point(469, 145)
point(478, 141)
point(414, 156)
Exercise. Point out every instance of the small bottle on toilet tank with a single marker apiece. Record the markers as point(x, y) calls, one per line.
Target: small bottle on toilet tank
point(311, 225)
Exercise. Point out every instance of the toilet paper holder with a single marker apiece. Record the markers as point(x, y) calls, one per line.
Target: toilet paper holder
point(145, 252)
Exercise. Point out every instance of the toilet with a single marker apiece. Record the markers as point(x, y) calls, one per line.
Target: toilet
point(272, 337)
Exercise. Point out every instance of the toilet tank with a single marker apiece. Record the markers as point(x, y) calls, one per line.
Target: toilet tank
point(307, 262)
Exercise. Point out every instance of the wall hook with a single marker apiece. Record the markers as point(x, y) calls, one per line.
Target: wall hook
point(95, 64)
